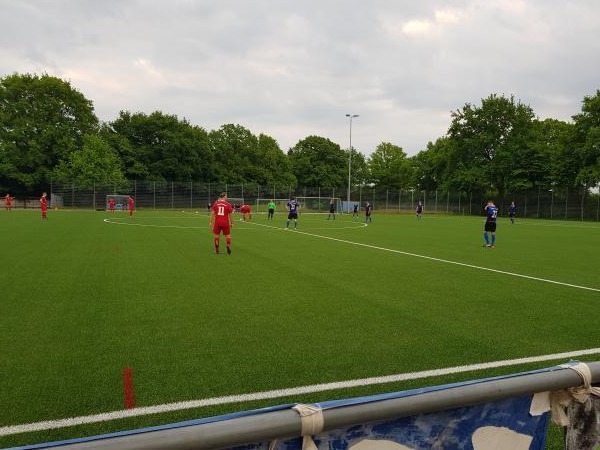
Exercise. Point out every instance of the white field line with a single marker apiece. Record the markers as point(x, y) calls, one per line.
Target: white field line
point(122, 221)
point(169, 407)
point(278, 393)
point(431, 258)
point(118, 222)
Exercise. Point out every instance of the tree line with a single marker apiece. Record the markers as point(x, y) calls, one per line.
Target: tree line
point(49, 131)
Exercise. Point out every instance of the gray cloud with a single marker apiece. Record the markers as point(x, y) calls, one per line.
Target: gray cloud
point(293, 69)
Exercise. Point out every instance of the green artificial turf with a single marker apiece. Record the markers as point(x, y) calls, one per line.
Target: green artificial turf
point(82, 298)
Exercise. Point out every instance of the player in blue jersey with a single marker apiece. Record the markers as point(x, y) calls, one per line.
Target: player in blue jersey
point(419, 209)
point(491, 212)
point(368, 213)
point(331, 209)
point(292, 206)
point(512, 210)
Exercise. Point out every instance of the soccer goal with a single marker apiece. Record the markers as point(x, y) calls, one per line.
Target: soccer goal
point(120, 202)
point(319, 204)
point(262, 204)
point(236, 202)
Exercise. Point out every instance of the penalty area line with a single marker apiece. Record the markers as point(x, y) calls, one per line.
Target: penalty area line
point(278, 393)
point(447, 261)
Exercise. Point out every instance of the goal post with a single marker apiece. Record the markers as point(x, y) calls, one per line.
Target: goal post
point(262, 204)
point(319, 204)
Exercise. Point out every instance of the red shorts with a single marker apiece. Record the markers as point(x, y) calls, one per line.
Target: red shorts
point(222, 227)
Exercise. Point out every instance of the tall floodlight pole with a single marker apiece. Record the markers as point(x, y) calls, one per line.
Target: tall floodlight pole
point(350, 116)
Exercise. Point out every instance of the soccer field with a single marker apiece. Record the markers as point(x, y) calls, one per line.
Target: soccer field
point(86, 294)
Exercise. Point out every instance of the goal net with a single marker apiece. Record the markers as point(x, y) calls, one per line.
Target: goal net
point(319, 204)
point(120, 202)
point(262, 204)
point(236, 202)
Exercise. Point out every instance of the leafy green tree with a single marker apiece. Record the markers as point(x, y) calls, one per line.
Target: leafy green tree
point(359, 168)
point(132, 165)
point(553, 161)
point(242, 157)
point(161, 147)
point(430, 166)
point(319, 162)
point(587, 141)
point(275, 164)
point(95, 161)
point(43, 119)
point(390, 167)
point(236, 154)
point(489, 141)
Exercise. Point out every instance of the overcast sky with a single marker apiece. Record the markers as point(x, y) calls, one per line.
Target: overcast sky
point(295, 68)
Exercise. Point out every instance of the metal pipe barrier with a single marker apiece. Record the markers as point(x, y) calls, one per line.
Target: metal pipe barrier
point(282, 424)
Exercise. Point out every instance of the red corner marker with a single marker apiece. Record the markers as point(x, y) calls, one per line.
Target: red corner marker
point(128, 388)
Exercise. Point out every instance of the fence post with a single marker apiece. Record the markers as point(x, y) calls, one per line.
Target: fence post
point(567, 203)
point(582, 203)
point(471, 203)
point(598, 205)
point(387, 195)
point(538, 203)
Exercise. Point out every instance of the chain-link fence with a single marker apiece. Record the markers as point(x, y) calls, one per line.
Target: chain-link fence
point(556, 203)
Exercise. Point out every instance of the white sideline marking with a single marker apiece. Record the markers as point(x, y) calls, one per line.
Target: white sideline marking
point(431, 258)
point(170, 407)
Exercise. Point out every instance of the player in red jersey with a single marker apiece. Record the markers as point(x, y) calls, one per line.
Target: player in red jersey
point(221, 221)
point(44, 206)
point(8, 202)
point(111, 205)
point(246, 212)
point(130, 205)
